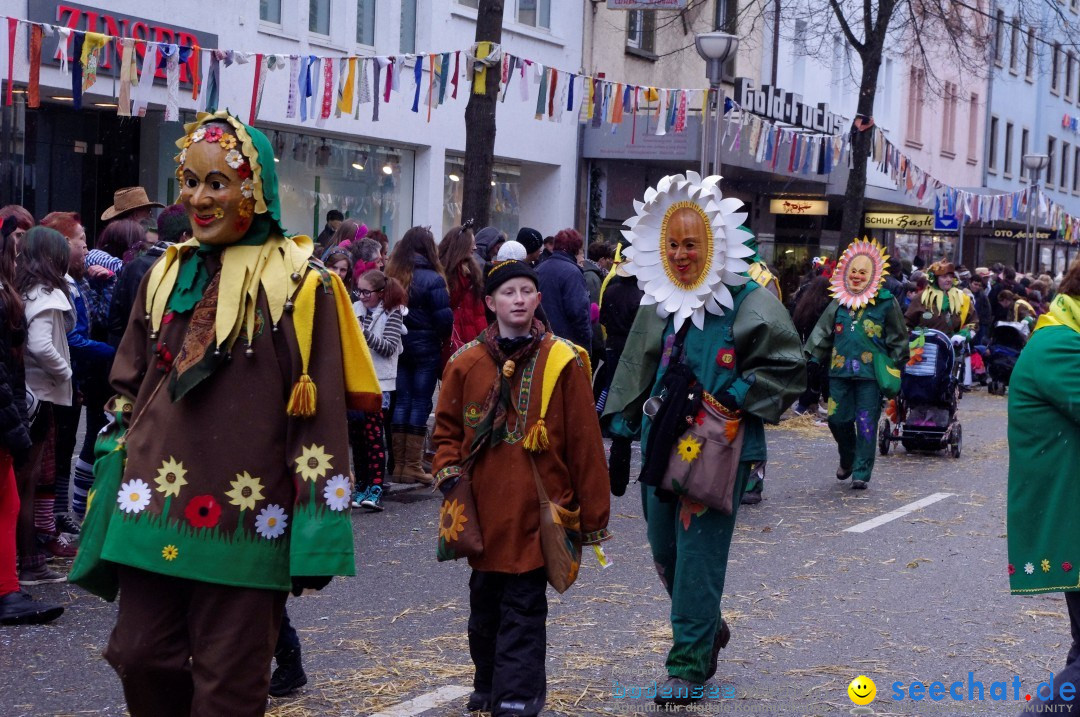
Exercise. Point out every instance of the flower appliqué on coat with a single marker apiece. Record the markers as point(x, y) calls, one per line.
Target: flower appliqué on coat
point(725, 358)
point(313, 463)
point(1029, 568)
point(170, 477)
point(169, 552)
point(336, 493)
point(689, 449)
point(1012, 570)
point(838, 360)
point(473, 414)
point(203, 511)
point(867, 357)
point(1045, 565)
point(271, 522)
point(133, 496)
point(689, 508)
point(1066, 566)
point(246, 491)
point(872, 330)
point(451, 520)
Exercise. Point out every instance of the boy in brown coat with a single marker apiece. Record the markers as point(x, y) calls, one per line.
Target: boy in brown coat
point(507, 625)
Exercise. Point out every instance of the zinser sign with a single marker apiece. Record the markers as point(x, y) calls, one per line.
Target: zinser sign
point(90, 19)
point(777, 104)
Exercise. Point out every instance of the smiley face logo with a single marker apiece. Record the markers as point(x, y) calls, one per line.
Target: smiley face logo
point(862, 690)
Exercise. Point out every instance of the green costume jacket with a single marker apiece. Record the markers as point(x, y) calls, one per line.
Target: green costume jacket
point(752, 353)
point(1044, 449)
point(839, 339)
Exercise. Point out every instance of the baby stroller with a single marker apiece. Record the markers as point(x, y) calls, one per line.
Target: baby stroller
point(923, 415)
point(1006, 342)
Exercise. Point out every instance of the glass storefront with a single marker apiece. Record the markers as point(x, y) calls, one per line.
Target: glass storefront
point(369, 183)
point(505, 196)
point(931, 247)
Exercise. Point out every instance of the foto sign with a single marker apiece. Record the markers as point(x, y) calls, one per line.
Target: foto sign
point(898, 220)
point(800, 207)
point(646, 4)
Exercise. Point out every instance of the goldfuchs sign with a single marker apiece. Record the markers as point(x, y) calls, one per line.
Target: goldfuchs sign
point(782, 106)
point(85, 18)
point(898, 220)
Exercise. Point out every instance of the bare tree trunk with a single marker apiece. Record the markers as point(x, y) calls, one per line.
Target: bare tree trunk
point(851, 224)
point(480, 124)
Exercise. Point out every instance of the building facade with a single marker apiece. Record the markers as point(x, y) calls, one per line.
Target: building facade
point(399, 171)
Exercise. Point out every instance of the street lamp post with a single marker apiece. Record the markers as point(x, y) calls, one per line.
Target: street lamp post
point(1035, 164)
point(715, 48)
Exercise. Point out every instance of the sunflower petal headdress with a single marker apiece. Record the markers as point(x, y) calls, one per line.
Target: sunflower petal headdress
point(724, 264)
point(879, 261)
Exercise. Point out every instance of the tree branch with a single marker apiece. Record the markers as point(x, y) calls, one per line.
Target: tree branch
point(852, 40)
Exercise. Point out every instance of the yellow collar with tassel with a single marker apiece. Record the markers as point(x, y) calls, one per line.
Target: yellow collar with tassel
point(561, 354)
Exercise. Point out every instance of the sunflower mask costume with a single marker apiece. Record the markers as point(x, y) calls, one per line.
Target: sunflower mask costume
point(688, 253)
point(224, 479)
point(862, 339)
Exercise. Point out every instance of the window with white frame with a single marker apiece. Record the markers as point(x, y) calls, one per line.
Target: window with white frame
point(408, 26)
point(1051, 146)
point(469, 3)
point(270, 11)
point(1070, 62)
point(641, 30)
point(1064, 176)
point(1025, 143)
point(999, 36)
point(916, 91)
point(319, 16)
point(973, 129)
point(1029, 60)
point(1076, 170)
point(536, 13)
point(1006, 165)
point(991, 145)
point(365, 22)
point(726, 15)
point(1014, 44)
point(1055, 68)
point(948, 125)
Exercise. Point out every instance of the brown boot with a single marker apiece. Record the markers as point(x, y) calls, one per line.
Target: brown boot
point(397, 447)
point(414, 468)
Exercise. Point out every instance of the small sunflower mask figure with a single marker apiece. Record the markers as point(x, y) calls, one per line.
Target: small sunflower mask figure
point(859, 273)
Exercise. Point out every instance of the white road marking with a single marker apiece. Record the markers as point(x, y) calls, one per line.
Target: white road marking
point(425, 702)
point(898, 513)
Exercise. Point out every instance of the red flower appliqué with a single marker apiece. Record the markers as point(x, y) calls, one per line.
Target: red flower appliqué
point(213, 133)
point(1066, 566)
point(1012, 569)
point(203, 511)
point(244, 170)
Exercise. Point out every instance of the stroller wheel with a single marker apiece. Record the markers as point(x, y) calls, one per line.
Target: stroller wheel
point(956, 443)
point(883, 436)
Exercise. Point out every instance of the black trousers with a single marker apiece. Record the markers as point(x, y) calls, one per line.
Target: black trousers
point(508, 640)
point(1070, 675)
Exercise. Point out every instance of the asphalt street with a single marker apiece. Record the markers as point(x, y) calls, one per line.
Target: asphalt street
point(921, 598)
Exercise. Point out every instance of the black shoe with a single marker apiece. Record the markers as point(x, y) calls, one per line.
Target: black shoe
point(479, 702)
point(859, 484)
point(677, 691)
point(723, 636)
point(751, 497)
point(67, 523)
point(288, 677)
point(843, 473)
point(18, 608)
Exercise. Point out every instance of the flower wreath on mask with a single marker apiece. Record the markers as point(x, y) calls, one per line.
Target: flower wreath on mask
point(867, 257)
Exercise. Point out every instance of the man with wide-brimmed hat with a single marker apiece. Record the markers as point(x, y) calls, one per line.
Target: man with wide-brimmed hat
point(130, 203)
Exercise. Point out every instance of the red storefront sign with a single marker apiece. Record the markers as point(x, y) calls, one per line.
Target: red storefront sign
point(90, 19)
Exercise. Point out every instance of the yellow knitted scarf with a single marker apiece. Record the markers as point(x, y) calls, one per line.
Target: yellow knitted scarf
point(1064, 311)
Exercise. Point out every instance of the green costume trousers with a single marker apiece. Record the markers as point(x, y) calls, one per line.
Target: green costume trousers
point(690, 549)
point(854, 409)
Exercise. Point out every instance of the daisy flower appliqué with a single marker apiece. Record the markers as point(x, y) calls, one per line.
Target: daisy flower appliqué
point(336, 493)
point(234, 158)
point(133, 496)
point(247, 188)
point(1045, 565)
point(1029, 568)
point(169, 552)
point(271, 522)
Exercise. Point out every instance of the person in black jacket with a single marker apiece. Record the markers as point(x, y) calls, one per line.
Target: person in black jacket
point(565, 296)
point(415, 263)
point(16, 605)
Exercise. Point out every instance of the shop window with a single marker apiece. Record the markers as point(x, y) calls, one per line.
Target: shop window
point(270, 11)
point(505, 207)
point(535, 13)
point(319, 16)
point(641, 30)
point(1008, 161)
point(365, 22)
point(369, 183)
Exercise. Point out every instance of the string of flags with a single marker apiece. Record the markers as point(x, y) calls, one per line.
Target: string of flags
point(964, 205)
point(321, 86)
